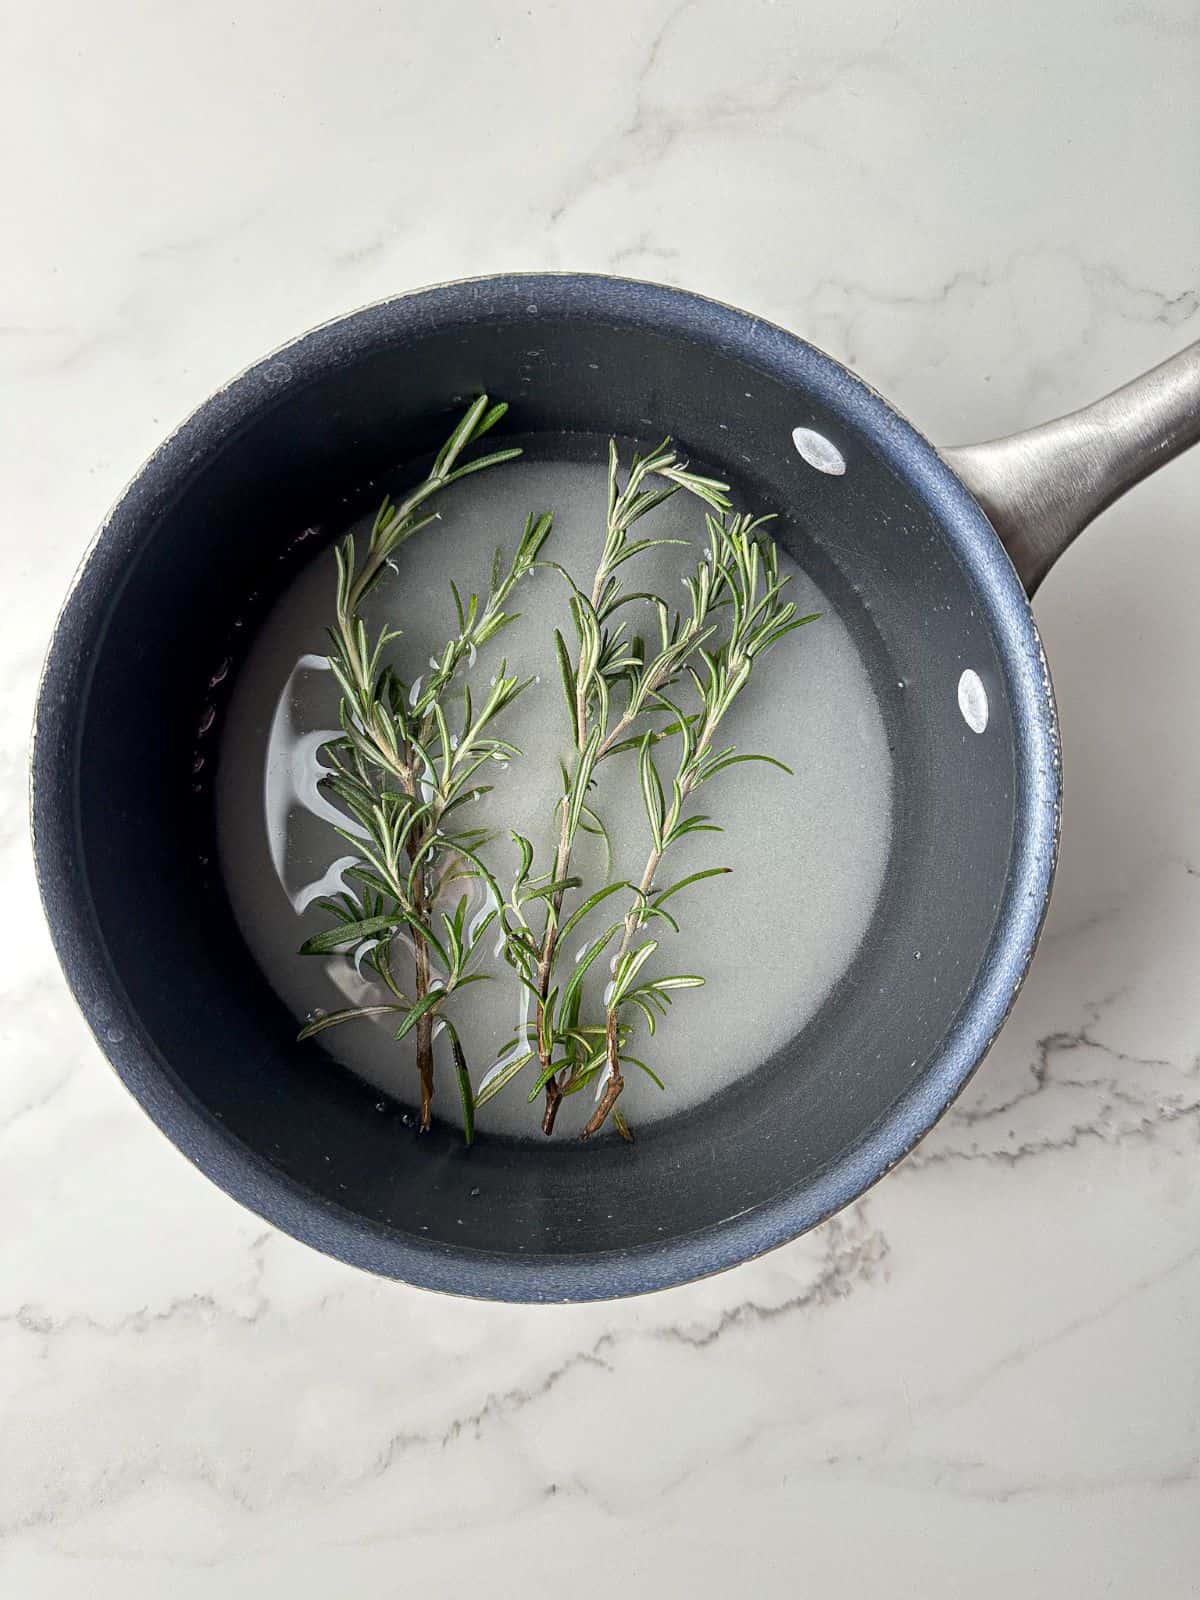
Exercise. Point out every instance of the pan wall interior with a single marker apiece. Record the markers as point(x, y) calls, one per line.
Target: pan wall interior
point(200, 538)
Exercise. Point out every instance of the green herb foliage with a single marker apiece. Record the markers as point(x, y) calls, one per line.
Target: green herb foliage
point(404, 779)
point(408, 762)
point(621, 697)
point(745, 577)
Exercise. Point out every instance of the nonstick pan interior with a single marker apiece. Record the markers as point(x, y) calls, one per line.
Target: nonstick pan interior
point(207, 537)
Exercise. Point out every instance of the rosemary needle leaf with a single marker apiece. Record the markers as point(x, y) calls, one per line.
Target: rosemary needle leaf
point(638, 1000)
point(490, 418)
point(466, 1094)
point(583, 777)
point(589, 904)
point(628, 968)
point(590, 822)
point(526, 849)
point(494, 460)
point(572, 989)
point(695, 877)
point(732, 761)
point(547, 891)
point(330, 1019)
point(543, 1078)
point(650, 1073)
point(567, 672)
point(424, 1005)
point(652, 792)
point(498, 1076)
point(346, 933)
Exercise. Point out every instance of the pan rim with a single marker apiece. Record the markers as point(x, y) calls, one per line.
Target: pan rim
point(240, 1170)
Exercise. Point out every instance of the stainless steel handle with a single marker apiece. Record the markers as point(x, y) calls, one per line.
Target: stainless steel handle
point(1041, 488)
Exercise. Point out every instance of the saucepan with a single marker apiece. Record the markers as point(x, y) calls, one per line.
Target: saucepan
point(930, 558)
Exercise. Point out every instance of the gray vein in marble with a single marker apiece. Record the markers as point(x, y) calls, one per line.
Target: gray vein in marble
point(1109, 288)
point(990, 1486)
point(650, 134)
point(1144, 1127)
point(370, 250)
point(1059, 1043)
point(903, 1461)
point(43, 1325)
point(186, 246)
point(643, 248)
point(40, 1101)
point(854, 1256)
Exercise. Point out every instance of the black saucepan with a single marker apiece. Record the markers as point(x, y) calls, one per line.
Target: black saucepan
point(892, 531)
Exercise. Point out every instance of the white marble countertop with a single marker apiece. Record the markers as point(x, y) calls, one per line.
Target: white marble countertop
point(984, 1377)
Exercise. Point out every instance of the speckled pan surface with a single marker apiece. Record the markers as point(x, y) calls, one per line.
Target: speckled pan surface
point(686, 363)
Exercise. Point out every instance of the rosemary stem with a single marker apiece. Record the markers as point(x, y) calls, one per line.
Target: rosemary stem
point(554, 1096)
point(562, 860)
point(633, 921)
point(404, 771)
point(424, 1027)
point(399, 517)
point(419, 906)
point(614, 1082)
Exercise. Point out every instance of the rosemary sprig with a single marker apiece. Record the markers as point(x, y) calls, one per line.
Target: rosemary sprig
point(611, 684)
point(760, 618)
point(402, 775)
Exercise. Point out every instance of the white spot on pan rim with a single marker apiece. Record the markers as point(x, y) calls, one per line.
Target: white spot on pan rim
point(973, 701)
point(819, 451)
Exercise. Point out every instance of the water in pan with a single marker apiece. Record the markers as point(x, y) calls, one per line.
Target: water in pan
point(807, 852)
